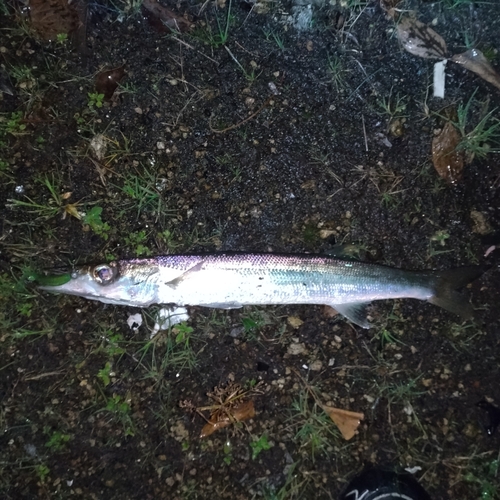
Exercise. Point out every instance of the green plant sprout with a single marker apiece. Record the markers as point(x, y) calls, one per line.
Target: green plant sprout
point(95, 100)
point(93, 219)
point(260, 445)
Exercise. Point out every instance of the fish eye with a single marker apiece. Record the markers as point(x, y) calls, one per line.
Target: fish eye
point(104, 274)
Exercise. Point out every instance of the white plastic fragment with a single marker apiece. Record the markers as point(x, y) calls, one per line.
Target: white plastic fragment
point(413, 470)
point(439, 79)
point(134, 321)
point(168, 317)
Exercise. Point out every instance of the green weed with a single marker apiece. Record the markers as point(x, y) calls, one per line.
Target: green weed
point(119, 408)
point(95, 100)
point(57, 439)
point(127, 8)
point(169, 350)
point(167, 241)
point(145, 191)
point(62, 38)
point(56, 202)
point(315, 431)
point(336, 72)
point(42, 471)
point(216, 37)
point(480, 139)
point(275, 37)
point(250, 74)
point(137, 241)
point(393, 106)
point(260, 445)
point(228, 452)
point(110, 341)
point(253, 323)
point(93, 219)
point(105, 374)
point(439, 240)
point(485, 476)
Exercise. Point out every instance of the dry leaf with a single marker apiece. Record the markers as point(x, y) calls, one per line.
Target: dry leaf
point(162, 19)
point(347, 421)
point(50, 18)
point(220, 419)
point(72, 209)
point(420, 40)
point(106, 82)
point(474, 60)
point(448, 162)
point(390, 7)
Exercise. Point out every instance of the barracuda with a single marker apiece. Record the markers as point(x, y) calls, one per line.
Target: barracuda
point(232, 280)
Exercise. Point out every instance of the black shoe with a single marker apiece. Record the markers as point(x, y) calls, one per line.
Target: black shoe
point(378, 484)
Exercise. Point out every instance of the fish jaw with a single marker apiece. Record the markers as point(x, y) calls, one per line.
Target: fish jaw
point(123, 290)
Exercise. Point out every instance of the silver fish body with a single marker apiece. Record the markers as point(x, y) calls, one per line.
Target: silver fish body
point(231, 280)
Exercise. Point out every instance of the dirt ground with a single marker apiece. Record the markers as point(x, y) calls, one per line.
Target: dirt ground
point(267, 126)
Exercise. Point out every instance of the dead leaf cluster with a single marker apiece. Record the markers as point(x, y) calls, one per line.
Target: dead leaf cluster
point(106, 82)
point(448, 160)
point(230, 404)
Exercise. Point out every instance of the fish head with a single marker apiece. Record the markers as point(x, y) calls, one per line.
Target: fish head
point(106, 283)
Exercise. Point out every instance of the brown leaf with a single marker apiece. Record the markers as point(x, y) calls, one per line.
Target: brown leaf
point(390, 7)
point(448, 162)
point(106, 82)
point(163, 20)
point(72, 209)
point(220, 419)
point(420, 40)
point(347, 421)
point(474, 60)
point(50, 18)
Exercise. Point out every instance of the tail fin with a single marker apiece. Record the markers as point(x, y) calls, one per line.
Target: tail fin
point(447, 284)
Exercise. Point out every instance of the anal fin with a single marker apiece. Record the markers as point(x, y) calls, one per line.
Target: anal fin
point(354, 312)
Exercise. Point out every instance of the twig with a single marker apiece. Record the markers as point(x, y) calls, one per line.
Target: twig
point(192, 48)
point(236, 125)
point(364, 132)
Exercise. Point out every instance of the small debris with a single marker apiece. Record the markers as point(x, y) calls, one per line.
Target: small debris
point(296, 349)
point(413, 470)
point(489, 250)
point(99, 146)
point(481, 225)
point(316, 366)
point(294, 322)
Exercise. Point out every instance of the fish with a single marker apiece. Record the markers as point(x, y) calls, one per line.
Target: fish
point(233, 280)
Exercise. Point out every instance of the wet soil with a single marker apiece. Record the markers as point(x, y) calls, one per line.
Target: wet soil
point(277, 139)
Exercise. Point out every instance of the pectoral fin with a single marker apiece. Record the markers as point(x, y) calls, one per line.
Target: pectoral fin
point(185, 275)
point(354, 312)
